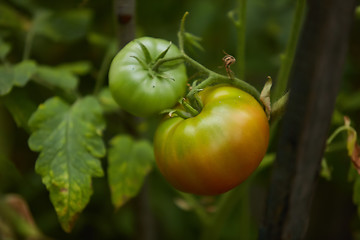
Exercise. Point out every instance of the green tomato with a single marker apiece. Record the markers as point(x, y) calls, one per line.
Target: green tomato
point(137, 86)
point(216, 150)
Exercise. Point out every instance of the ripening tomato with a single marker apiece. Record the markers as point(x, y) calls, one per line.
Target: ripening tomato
point(140, 87)
point(216, 150)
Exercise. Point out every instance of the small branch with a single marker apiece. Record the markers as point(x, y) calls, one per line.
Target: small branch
point(241, 35)
point(101, 77)
point(288, 58)
point(181, 33)
point(30, 37)
point(189, 108)
point(213, 77)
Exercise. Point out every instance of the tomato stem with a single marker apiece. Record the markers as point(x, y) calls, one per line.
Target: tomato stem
point(188, 107)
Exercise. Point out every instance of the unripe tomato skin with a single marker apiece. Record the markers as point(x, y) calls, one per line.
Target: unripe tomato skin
point(216, 150)
point(138, 88)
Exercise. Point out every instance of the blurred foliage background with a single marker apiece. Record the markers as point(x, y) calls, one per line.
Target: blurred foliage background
point(76, 34)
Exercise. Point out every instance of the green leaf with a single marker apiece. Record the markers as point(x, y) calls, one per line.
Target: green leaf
point(64, 26)
point(107, 101)
point(6, 79)
point(9, 173)
point(23, 72)
point(4, 49)
point(57, 77)
point(17, 75)
point(20, 106)
point(78, 68)
point(100, 40)
point(193, 41)
point(129, 163)
point(70, 145)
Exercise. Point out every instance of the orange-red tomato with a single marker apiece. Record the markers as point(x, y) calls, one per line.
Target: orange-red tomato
point(216, 150)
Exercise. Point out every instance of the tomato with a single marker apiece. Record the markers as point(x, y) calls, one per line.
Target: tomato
point(216, 150)
point(140, 89)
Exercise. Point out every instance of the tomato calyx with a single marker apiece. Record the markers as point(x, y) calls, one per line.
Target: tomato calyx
point(153, 65)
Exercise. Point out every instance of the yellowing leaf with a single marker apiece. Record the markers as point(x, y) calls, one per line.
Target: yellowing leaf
point(129, 163)
point(70, 145)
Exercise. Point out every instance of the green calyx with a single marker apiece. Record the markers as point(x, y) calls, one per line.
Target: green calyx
point(153, 65)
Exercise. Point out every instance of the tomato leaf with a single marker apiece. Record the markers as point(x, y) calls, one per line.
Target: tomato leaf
point(64, 26)
point(69, 139)
point(20, 106)
point(4, 49)
point(17, 75)
point(6, 80)
point(78, 68)
point(107, 102)
point(265, 96)
point(57, 77)
point(23, 72)
point(193, 41)
point(129, 163)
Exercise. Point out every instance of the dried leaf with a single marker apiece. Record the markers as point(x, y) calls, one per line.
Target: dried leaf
point(265, 97)
point(352, 146)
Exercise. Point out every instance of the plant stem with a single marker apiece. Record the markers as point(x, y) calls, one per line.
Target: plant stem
point(29, 38)
point(213, 77)
point(288, 57)
point(241, 34)
point(100, 79)
point(181, 33)
point(337, 131)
